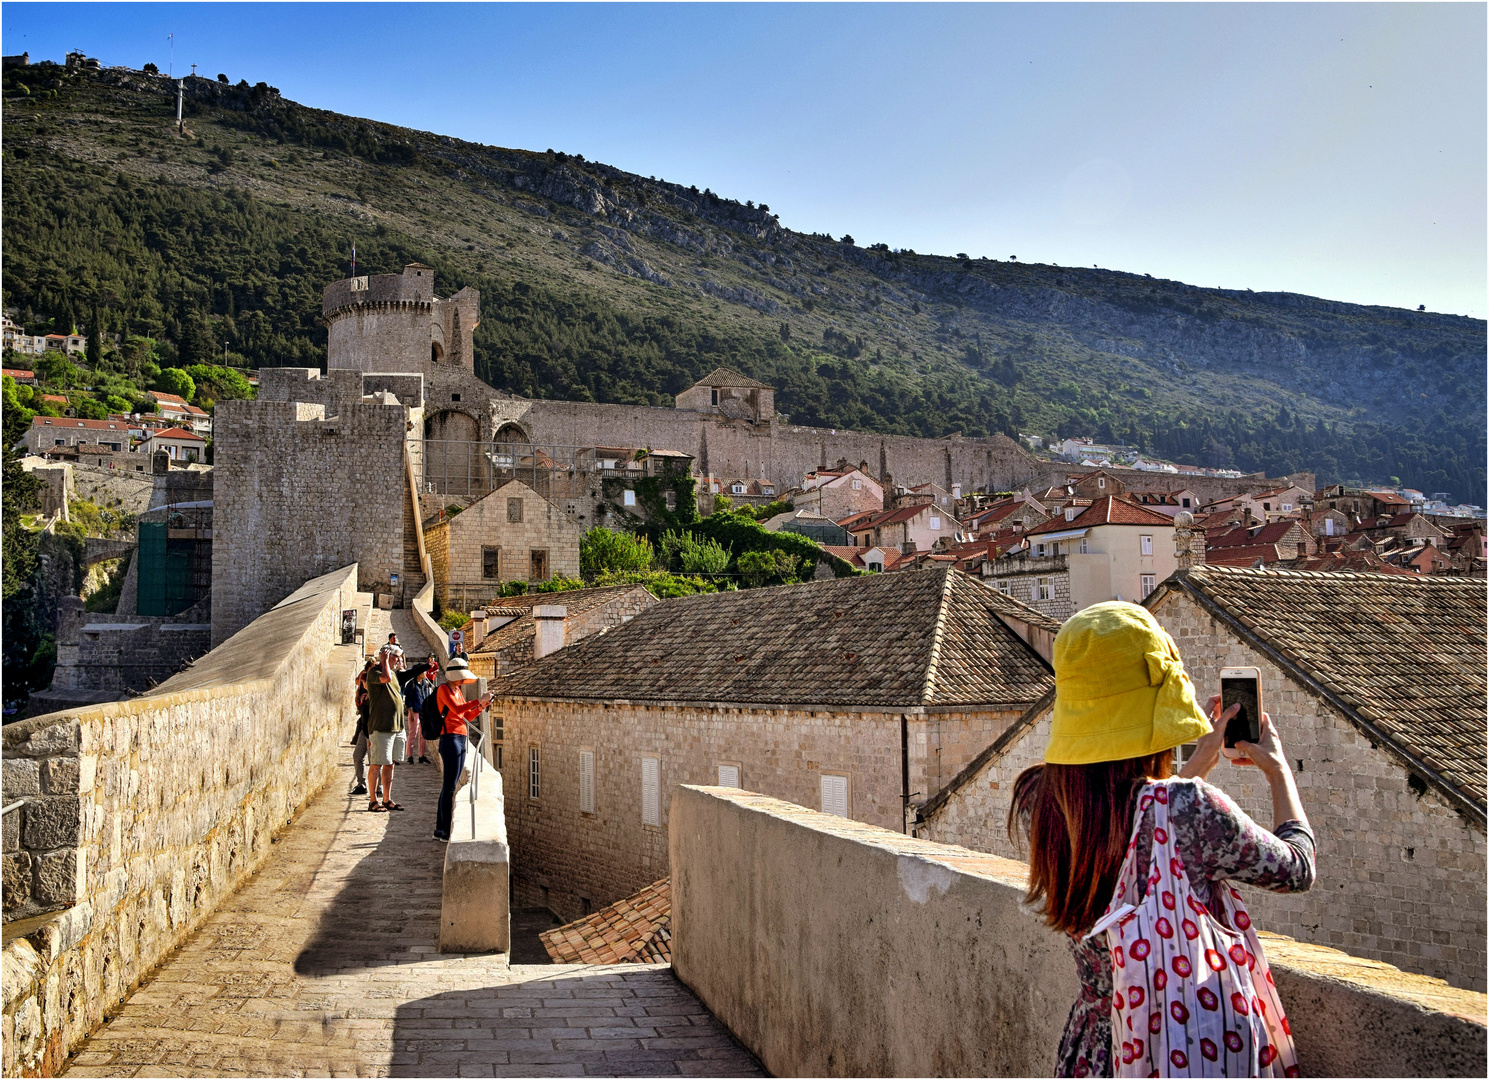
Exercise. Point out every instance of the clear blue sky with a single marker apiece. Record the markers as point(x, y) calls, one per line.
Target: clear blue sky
point(1331, 149)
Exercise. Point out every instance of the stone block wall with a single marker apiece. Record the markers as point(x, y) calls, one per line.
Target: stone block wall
point(141, 815)
point(1401, 875)
point(833, 948)
point(563, 858)
point(299, 493)
point(1023, 575)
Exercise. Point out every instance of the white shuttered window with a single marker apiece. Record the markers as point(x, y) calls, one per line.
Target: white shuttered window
point(728, 776)
point(534, 773)
point(835, 795)
point(586, 781)
point(651, 791)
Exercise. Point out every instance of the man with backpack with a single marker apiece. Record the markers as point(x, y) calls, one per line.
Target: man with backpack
point(418, 684)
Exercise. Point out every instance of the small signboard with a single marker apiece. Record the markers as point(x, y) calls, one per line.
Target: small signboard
point(349, 627)
point(457, 641)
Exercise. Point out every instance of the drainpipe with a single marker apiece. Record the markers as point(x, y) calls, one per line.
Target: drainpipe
point(904, 774)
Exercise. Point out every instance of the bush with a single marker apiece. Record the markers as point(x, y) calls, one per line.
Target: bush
point(659, 583)
point(686, 553)
point(560, 583)
point(771, 509)
point(768, 568)
point(453, 620)
point(602, 549)
point(88, 409)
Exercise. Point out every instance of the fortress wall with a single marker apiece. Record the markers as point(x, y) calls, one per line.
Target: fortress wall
point(298, 494)
point(140, 816)
point(394, 338)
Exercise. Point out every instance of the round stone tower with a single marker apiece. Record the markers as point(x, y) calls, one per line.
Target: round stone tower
point(394, 323)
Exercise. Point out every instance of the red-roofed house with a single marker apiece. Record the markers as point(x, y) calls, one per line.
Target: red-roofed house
point(50, 433)
point(20, 375)
point(1275, 503)
point(1288, 537)
point(180, 444)
point(179, 411)
point(838, 493)
point(910, 528)
point(1111, 550)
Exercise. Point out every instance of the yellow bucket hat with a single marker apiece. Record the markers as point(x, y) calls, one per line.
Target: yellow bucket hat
point(1120, 688)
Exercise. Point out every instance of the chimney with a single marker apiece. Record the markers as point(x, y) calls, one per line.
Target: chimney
point(549, 629)
point(477, 632)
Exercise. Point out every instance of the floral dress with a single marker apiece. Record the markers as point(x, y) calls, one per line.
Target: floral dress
point(1217, 841)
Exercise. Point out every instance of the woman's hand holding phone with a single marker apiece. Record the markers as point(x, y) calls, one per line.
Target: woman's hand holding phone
point(1207, 749)
point(1266, 753)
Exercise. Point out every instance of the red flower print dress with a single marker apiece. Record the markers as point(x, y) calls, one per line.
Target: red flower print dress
point(1215, 842)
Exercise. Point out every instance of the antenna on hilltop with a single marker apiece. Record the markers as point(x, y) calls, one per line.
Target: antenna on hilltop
point(354, 260)
point(172, 69)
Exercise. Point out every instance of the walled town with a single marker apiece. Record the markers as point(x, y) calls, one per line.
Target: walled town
point(836, 676)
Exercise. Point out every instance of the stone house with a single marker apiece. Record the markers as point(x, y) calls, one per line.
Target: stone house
point(917, 527)
point(1166, 502)
point(824, 530)
point(178, 443)
point(511, 534)
point(728, 393)
point(1326, 521)
point(838, 493)
point(1010, 514)
point(1409, 526)
point(859, 695)
point(1276, 502)
point(503, 638)
point(1094, 485)
point(1288, 536)
point(1112, 550)
point(178, 410)
point(1376, 683)
point(51, 433)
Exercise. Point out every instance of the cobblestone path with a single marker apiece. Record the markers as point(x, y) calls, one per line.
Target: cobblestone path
point(325, 964)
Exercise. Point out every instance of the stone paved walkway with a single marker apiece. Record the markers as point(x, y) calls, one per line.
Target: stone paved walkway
point(325, 964)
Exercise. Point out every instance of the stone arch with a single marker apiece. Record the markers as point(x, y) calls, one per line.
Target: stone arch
point(436, 352)
point(454, 457)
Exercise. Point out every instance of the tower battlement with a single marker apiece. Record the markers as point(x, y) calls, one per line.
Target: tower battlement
point(395, 323)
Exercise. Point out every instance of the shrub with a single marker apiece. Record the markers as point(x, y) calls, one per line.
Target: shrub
point(602, 549)
point(453, 620)
point(686, 553)
point(659, 583)
point(175, 381)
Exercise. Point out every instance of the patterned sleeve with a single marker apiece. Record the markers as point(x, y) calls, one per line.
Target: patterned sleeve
point(1212, 832)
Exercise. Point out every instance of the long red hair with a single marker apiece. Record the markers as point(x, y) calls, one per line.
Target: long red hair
point(1077, 819)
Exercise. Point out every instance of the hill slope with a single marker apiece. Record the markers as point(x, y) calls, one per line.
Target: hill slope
point(601, 285)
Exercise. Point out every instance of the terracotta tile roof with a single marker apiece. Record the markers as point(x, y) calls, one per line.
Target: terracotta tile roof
point(1107, 510)
point(636, 930)
point(847, 554)
point(1337, 561)
point(1403, 656)
point(1243, 555)
point(925, 638)
point(69, 422)
point(18, 373)
point(904, 513)
point(177, 433)
point(168, 399)
point(1389, 498)
point(723, 376)
point(852, 521)
point(1274, 533)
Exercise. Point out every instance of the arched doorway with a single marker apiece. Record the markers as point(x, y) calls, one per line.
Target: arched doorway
point(454, 461)
point(513, 456)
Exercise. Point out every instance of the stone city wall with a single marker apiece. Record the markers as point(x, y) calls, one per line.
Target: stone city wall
point(141, 815)
point(833, 948)
point(562, 857)
point(299, 493)
point(1401, 876)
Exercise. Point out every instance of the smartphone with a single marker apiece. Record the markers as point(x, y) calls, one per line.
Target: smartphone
point(1241, 686)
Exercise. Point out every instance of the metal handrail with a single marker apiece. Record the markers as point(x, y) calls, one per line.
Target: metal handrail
point(13, 806)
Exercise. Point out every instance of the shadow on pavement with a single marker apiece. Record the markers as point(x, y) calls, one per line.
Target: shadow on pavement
point(621, 1020)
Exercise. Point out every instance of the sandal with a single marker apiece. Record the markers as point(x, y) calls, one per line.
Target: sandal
point(392, 805)
point(376, 807)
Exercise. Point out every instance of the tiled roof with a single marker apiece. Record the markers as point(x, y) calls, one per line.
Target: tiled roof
point(924, 638)
point(177, 433)
point(1389, 498)
point(520, 630)
point(1356, 562)
point(636, 930)
point(723, 376)
point(1262, 534)
point(1403, 656)
point(168, 399)
point(891, 517)
point(1243, 555)
point(852, 521)
point(18, 373)
point(1107, 510)
point(69, 422)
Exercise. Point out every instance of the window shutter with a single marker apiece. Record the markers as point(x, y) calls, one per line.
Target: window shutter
point(534, 780)
point(728, 776)
point(835, 795)
point(651, 809)
point(586, 781)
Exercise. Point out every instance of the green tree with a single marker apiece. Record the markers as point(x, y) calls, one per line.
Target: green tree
point(602, 549)
point(54, 369)
point(175, 381)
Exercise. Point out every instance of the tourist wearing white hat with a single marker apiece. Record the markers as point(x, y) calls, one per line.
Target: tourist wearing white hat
point(455, 711)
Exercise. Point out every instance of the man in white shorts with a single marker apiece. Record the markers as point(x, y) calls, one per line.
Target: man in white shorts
point(386, 739)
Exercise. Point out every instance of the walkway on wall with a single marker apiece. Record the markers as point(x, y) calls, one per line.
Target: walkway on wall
point(325, 964)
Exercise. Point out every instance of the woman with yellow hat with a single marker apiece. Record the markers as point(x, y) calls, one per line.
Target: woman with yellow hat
point(1123, 704)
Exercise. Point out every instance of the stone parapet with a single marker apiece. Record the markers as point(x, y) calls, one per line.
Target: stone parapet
point(834, 948)
point(141, 815)
point(474, 910)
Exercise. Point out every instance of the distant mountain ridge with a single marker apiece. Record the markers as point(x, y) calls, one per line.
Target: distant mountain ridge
point(601, 285)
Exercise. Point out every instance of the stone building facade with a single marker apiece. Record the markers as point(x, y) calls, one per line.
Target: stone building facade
point(1401, 857)
point(300, 491)
point(861, 695)
point(512, 534)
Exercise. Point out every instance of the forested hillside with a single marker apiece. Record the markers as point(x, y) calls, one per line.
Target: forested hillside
point(601, 285)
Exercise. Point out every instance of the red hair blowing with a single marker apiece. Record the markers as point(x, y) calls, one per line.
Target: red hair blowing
point(1078, 819)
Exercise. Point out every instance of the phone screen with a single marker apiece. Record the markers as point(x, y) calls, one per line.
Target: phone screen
point(1246, 725)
